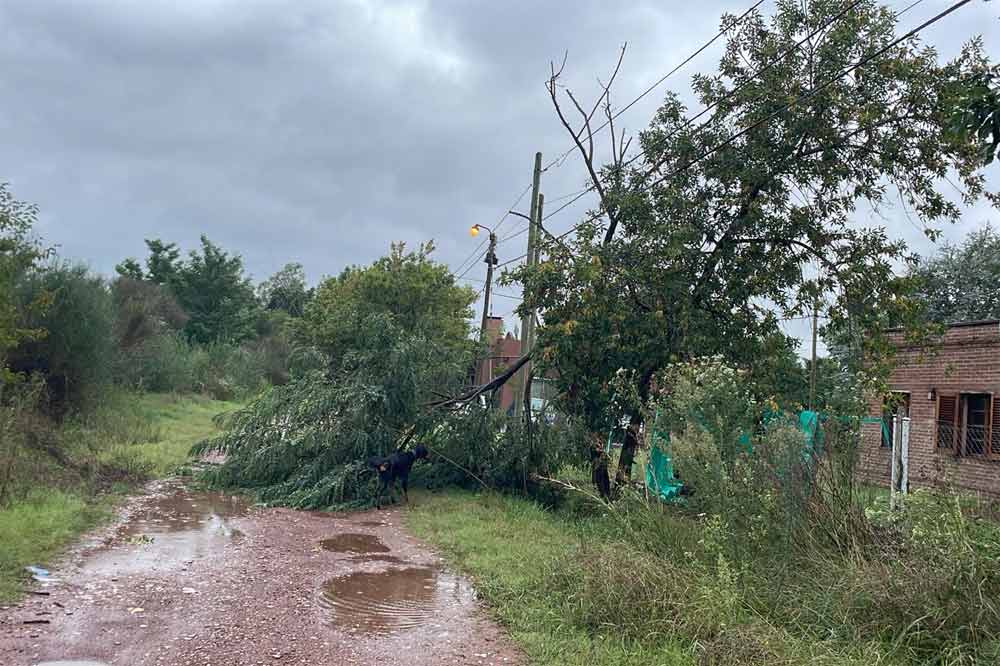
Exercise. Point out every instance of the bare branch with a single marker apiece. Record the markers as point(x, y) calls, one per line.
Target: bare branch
point(586, 147)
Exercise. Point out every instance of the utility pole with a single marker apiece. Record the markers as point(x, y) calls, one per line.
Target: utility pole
point(528, 319)
point(491, 260)
point(529, 335)
point(812, 365)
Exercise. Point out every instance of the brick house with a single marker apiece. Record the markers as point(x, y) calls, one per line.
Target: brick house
point(504, 350)
point(954, 431)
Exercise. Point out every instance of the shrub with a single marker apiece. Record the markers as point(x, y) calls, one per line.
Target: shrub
point(144, 311)
point(75, 353)
point(483, 446)
point(301, 444)
point(161, 363)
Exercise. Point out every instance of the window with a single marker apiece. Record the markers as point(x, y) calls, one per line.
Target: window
point(977, 421)
point(897, 402)
point(965, 424)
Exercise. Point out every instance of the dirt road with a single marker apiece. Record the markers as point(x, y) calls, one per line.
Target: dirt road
point(202, 578)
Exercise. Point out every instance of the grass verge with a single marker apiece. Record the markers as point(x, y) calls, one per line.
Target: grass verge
point(510, 548)
point(574, 587)
point(148, 435)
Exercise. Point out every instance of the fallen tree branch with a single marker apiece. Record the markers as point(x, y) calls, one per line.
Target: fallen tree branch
point(469, 396)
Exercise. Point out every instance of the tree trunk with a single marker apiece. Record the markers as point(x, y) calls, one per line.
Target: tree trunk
point(599, 468)
point(623, 475)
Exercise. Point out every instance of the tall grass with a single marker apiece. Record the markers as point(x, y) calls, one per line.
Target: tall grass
point(764, 564)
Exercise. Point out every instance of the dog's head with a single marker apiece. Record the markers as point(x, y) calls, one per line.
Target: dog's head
point(420, 451)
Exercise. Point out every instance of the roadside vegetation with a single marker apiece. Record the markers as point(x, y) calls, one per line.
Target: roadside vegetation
point(102, 456)
point(659, 325)
point(106, 383)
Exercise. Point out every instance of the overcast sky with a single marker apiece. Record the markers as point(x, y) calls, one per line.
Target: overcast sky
point(318, 131)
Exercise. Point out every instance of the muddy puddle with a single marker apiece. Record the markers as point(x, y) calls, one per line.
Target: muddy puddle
point(396, 599)
point(354, 543)
point(378, 557)
point(170, 529)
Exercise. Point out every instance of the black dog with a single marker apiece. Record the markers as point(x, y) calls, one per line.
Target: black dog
point(395, 468)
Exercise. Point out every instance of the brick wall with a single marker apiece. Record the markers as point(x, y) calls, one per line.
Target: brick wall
point(968, 361)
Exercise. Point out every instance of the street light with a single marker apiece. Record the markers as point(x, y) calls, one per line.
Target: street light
point(491, 260)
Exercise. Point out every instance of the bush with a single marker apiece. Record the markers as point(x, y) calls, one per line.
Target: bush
point(481, 446)
point(75, 353)
point(161, 363)
point(144, 312)
point(303, 444)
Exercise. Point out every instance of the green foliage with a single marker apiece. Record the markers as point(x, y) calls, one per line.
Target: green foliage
point(959, 282)
point(391, 335)
point(286, 290)
point(480, 446)
point(976, 98)
point(75, 355)
point(415, 293)
point(695, 248)
point(304, 444)
point(210, 286)
point(19, 253)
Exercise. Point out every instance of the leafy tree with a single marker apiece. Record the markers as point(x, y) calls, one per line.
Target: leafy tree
point(393, 333)
point(76, 353)
point(164, 263)
point(218, 297)
point(19, 253)
point(977, 98)
point(416, 294)
point(210, 286)
point(716, 224)
point(962, 282)
point(285, 290)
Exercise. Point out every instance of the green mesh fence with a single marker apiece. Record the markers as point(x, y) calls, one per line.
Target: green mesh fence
point(662, 481)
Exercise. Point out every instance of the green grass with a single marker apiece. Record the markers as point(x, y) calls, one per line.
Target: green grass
point(149, 435)
point(177, 423)
point(574, 587)
point(509, 547)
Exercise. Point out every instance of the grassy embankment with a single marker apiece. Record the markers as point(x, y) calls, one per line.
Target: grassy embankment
point(128, 440)
point(585, 587)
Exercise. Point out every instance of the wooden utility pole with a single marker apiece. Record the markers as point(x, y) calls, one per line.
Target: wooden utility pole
point(812, 365)
point(529, 335)
point(527, 321)
point(491, 260)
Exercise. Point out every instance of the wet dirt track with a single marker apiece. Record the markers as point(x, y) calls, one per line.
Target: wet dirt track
point(196, 578)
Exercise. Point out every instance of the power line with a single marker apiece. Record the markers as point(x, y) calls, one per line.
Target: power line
point(493, 292)
point(663, 78)
point(752, 78)
point(784, 107)
point(475, 252)
point(616, 115)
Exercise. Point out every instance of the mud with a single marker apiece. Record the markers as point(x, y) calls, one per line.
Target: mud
point(191, 578)
point(168, 530)
point(381, 602)
point(354, 543)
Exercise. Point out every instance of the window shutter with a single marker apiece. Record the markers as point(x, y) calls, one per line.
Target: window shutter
point(995, 426)
point(947, 421)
